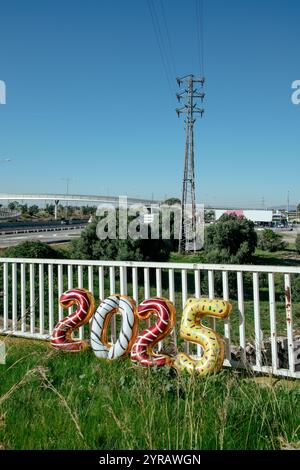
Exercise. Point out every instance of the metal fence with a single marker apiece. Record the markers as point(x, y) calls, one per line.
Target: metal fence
point(260, 333)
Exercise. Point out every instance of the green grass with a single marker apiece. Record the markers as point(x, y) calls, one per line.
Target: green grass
point(54, 400)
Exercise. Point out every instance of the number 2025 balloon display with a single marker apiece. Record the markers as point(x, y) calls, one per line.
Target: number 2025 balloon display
point(141, 346)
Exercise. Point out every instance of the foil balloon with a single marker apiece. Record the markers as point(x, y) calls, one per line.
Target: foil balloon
point(99, 331)
point(142, 350)
point(62, 334)
point(194, 331)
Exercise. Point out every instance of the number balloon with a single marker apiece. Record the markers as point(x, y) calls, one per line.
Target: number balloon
point(192, 330)
point(99, 331)
point(142, 350)
point(62, 333)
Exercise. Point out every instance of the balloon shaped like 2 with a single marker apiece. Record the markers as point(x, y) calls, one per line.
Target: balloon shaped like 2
point(192, 330)
point(62, 333)
point(99, 331)
point(142, 350)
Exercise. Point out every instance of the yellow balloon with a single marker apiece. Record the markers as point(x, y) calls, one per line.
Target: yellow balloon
point(194, 331)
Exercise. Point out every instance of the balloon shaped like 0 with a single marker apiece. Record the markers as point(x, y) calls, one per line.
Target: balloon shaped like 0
point(192, 330)
point(62, 334)
point(99, 330)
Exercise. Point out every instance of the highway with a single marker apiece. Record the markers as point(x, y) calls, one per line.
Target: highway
point(54, 236)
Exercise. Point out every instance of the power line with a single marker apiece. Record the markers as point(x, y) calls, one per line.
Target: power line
point(161, 45)
point(168, 38)
point(200, 35)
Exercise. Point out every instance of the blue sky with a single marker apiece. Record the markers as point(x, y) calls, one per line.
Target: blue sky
point(87, 98)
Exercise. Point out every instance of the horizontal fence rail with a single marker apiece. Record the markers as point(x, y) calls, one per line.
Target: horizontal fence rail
point(262, 333)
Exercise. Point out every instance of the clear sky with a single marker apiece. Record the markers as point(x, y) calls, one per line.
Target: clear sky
point(88, 99)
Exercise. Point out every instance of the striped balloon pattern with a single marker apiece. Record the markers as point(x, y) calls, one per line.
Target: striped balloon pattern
point(192, 330)
point(99, 332)
point(62, 334)
point(142, 350)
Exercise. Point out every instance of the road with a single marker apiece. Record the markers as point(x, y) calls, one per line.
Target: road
point(8, 240)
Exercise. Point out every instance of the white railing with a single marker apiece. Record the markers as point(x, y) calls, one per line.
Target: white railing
point(259, 335)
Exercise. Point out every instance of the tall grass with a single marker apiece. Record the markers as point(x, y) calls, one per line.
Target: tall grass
point(54, 400)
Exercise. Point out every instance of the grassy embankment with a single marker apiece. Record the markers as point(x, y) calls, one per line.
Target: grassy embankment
point(52, 400)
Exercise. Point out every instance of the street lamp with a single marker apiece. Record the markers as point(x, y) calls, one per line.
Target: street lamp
point(67, 180)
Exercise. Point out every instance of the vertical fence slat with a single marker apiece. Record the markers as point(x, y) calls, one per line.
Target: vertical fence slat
point(50, 298)
point(184, 286)
point(257, 326)
point(241, 307)
point(172, 298)
point(5, 293)
point(91, 279)
point(135, 287)
point(197, 283)
point(158, 282)
point(60, 280)
point(147, 290)
point(198, 295)
point(112, 287)
point(14, 297)
point(183, 301)
point(289, 321)
point(112, 280)
point(70, 276)
point(80, 284)
point(272, 307)
point(23, 298)
point(32, 297)
point(70, 283)
point(227, 335)
point(101, 283)
point(80, 276)
point(146, 283)
point(171, 286)
point(123, 280)
point(41, 299)
point(211, 294)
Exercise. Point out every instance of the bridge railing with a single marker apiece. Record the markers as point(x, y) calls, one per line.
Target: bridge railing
point(261, 334)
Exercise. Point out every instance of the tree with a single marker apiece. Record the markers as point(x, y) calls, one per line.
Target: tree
point(13, 205)
point(172, 201)
point(209, 216)
point(24, 208)
point(271, 241)
point(89, 246)
point(50, 209)
point(230, 240)
point(33, 210)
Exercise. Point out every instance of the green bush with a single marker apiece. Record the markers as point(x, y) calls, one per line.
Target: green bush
point(89, 246)
point(230, 240)
point(297, 243)
point(33, 249)
point(270, 241)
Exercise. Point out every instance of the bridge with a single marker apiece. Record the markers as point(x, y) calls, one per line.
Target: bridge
point(56, 198)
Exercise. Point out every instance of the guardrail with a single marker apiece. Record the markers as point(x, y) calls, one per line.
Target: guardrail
point(259, 335)
point(42, 229)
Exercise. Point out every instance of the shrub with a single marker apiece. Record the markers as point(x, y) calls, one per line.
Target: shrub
point(33, 249)
point(297, 243)
point(89, 246)
point(271, 241)
point(230, 240)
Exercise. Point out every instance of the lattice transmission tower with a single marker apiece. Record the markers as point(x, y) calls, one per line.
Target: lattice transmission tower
point(190, 95)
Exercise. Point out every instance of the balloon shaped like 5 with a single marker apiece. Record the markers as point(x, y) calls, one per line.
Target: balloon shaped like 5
point(192, 330)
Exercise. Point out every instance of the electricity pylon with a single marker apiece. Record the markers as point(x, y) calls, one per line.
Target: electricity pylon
point(190, 95)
